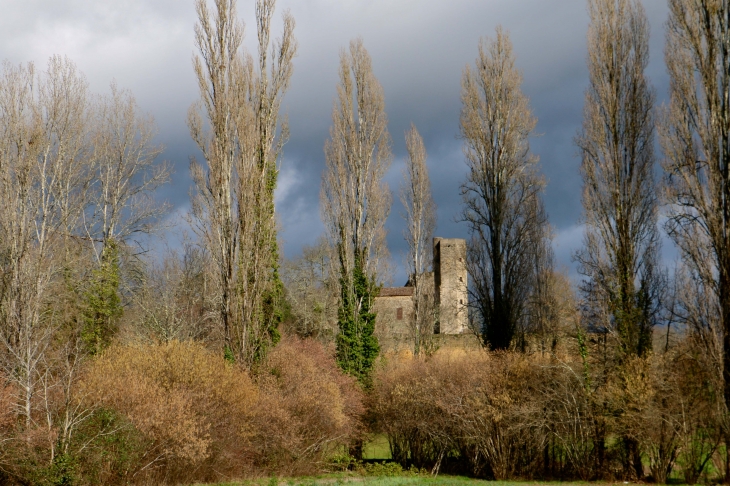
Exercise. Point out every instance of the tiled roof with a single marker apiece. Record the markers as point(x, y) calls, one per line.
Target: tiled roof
point(396, 292)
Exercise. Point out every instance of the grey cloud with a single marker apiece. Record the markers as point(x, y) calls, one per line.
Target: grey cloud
point(419, 49)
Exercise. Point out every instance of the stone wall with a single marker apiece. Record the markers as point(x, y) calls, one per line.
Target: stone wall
point(394, 305)
point(449, 263)
point(393, 310)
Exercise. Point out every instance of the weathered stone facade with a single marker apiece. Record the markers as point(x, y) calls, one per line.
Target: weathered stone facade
point(394, 306)
point(394, 309)
point(450, 279)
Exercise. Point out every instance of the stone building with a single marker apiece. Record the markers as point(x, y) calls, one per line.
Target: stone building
point(394, 305)
point(449, 271)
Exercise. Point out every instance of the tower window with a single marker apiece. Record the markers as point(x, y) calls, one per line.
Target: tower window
point(461, 279)
point(399, 313)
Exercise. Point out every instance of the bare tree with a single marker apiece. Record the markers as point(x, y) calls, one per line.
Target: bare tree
point(43, 122)
point(122, 210)
point(173, 302)
point(420, 216)
point(233, 205)
point(312, 283)
point(355, 202)
point(551, 307)
point(219, 74)
point(695, 136)
point(501, 193)
point(619, 256)
point(126, 172)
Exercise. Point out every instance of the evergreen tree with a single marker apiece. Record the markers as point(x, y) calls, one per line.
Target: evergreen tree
point(355, 204)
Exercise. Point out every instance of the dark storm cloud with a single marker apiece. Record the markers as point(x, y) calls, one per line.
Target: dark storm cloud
point(419, 50)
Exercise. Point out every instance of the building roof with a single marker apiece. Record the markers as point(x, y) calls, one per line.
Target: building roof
point(396, 292)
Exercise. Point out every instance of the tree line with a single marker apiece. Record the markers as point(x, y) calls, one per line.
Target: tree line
point(632, 369)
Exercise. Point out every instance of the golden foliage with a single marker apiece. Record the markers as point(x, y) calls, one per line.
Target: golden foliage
point(178, 394)
point(207, 419)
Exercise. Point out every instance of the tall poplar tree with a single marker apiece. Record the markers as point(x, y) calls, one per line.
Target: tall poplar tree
point(695, 137)
point(355, 203)
point(241, 140)
point(420, 218)
point(622, 283)
point(501, 194)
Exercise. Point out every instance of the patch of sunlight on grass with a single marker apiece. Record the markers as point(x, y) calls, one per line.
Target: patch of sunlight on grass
point(377, 448)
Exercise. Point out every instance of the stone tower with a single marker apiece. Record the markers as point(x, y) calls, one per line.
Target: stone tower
point(449, 268)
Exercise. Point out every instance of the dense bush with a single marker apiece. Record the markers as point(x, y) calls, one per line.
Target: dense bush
point(470, 410)
point(195, 411)
point(514, 415)
point(308, 409)
point(176, 412)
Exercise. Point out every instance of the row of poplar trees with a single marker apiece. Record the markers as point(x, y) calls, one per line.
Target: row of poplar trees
point(624, 284)
point(625, 292)
point(77, 175)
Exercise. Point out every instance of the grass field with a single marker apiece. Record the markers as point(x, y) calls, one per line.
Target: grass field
point(398, 481)
point(376, 448)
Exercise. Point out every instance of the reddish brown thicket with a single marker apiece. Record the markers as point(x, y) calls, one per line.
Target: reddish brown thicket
point(307, 410)
point(194, 409)
point(7, 418)
point(176, 412)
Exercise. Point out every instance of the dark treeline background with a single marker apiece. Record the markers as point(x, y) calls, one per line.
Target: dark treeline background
point(219, 359)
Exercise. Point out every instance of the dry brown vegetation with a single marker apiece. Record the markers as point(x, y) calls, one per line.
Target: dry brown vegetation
point(175, 411)
point(308, 408)
point(119, 370)
point(510, 415)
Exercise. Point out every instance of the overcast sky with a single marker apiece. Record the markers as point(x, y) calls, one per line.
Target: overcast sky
point(419, 49)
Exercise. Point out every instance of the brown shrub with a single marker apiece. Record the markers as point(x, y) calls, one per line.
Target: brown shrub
point(695, 408)
point(307, 410)
point(509, 415)
point(196, 410)
point(7, 401)
point(574, 413)
point(8, 418)
point(474, 409)
point(181, 413)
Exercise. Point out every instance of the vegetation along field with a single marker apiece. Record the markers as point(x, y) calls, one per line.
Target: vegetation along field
point(216, 360)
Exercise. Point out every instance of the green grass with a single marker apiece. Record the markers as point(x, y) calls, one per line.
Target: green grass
point(377, 448)
point(356, 481)
point(349, 479)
